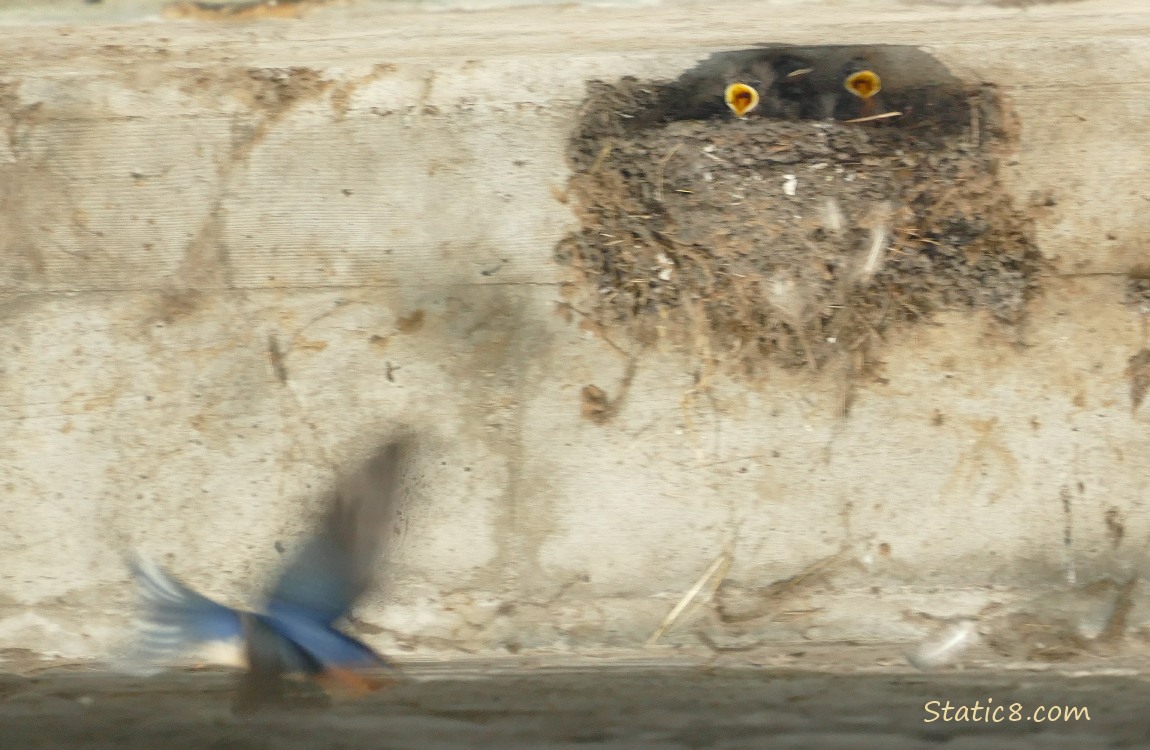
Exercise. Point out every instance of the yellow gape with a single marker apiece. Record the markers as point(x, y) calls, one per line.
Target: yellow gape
point(741, 98)
point(863, 84)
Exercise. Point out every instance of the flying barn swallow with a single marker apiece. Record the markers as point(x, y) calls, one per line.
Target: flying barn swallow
point(295, 634)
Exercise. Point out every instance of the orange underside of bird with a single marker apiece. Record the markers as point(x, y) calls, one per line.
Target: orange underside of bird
point(346, 683)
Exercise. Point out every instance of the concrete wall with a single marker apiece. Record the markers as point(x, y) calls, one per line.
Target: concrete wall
point(234, 255)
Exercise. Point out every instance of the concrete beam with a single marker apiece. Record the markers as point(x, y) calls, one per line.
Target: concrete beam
point(234, 254)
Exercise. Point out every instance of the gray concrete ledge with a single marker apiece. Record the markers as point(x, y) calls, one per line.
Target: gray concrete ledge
point(654, 707)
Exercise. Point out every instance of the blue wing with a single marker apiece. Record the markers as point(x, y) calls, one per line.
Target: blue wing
point(321, 580)
point(176, 618)
point(336, 565)
point(323, 645)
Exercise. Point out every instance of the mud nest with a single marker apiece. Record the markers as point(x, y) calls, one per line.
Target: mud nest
point(792, 240)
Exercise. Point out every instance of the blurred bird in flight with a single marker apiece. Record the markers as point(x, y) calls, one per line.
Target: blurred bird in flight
point(295, 634)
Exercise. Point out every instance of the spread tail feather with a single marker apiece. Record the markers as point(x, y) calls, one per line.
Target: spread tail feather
point(175, 620)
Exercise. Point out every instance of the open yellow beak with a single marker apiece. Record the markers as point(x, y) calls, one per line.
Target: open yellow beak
point(741, 98)
point(863, 84)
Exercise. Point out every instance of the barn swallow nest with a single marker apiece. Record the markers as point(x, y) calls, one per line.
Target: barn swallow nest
point(795, 241)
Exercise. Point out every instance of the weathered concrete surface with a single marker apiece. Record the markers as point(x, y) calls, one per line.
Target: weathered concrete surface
point(233, 255)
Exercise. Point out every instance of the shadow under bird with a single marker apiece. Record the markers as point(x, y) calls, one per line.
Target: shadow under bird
point(296, 632)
